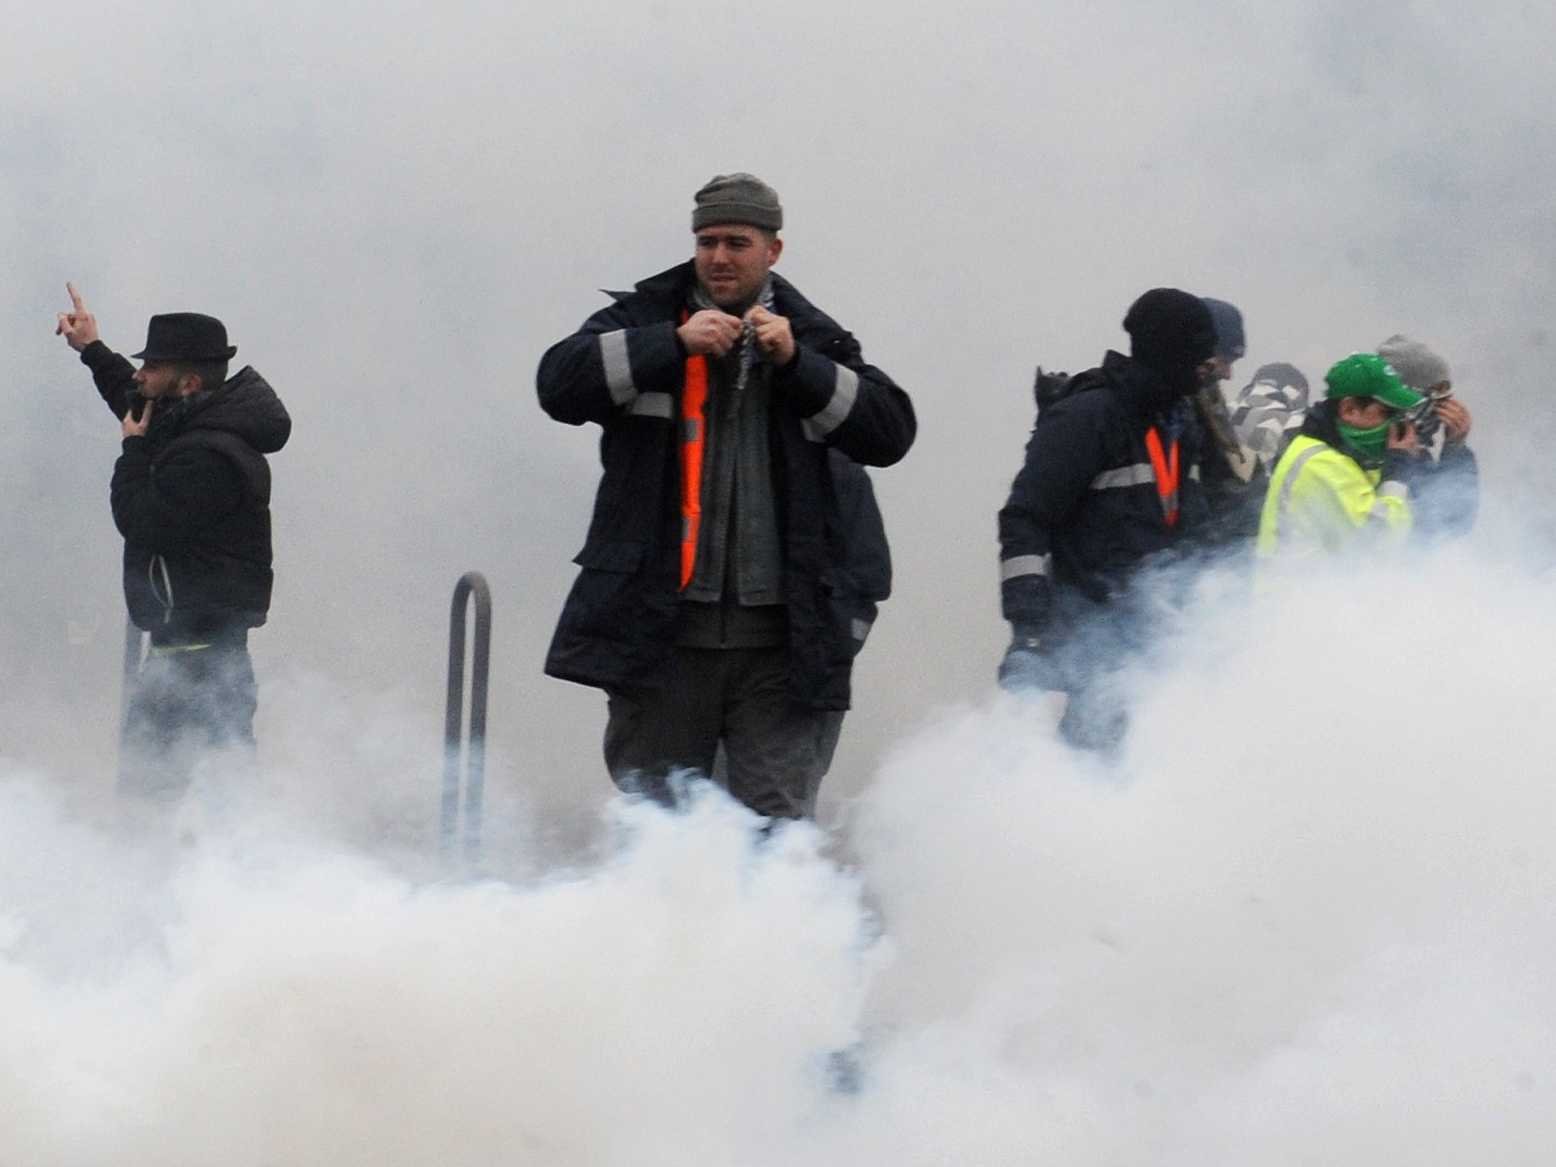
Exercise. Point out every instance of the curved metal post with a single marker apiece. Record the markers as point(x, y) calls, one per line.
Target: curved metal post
point(472, 583)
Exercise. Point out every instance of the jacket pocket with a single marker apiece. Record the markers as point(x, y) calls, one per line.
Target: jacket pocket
point(607, 601)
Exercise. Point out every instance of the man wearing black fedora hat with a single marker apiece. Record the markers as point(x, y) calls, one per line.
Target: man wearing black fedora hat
point(191, 495)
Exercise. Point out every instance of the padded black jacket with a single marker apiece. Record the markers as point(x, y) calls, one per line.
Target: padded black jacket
point(192, 500)
point(1084, 514)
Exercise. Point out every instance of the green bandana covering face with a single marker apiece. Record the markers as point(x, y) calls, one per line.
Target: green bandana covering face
point(1370, 441)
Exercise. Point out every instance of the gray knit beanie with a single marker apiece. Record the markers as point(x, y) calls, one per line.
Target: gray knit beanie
point(737, 198)
point(1417, 365)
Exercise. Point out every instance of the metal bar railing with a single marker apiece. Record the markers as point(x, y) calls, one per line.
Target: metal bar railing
point(472, 583)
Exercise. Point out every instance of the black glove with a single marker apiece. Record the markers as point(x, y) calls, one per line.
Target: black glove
point(1026, 667)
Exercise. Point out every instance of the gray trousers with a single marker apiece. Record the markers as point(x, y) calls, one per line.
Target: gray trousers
point(776, 751)
point(186, 703)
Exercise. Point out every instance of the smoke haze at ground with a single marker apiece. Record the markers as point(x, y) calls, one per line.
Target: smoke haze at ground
point(395, 210)
point(1306, 918)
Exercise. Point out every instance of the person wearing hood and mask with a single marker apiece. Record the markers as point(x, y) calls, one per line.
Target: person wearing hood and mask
point(190, 494)
point(1267, 412)
point(1447, 495)
point(1112, 482)
point(1239, 480)
point(1345, 481)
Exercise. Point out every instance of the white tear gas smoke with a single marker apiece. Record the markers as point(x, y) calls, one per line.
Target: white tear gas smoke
point(396, 209)
point(1318, 862)
point(1305, 917)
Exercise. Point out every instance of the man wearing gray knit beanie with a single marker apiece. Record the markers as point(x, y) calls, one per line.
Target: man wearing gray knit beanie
point(1448, 492)
point(736, 553)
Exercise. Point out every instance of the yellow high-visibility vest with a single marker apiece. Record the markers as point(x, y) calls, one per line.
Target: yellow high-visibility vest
point(1321, 499)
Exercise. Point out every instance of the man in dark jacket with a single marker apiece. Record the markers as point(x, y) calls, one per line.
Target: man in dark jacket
point(191, 495)
point(1112, 482)
point(717, 601)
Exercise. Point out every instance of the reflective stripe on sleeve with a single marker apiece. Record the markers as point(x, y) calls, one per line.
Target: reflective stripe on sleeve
point(845, 388)
point(1293, 474)
point(1140, 474)
point(618, 366)
point(1019, 565)
point(654, 405)
point(861, 629)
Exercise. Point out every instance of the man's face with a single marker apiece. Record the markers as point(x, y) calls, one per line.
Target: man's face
point(1212, 371)
point(732, 262)
point(1364, 412)
point(157, 379)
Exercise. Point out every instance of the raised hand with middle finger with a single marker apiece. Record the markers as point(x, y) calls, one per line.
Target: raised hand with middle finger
point(78, 326)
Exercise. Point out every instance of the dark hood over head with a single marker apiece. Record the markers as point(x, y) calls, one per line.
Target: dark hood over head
point(245, 406)
point(1171, 332)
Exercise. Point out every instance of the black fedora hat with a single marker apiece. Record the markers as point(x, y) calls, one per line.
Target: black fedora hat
point(186, 336)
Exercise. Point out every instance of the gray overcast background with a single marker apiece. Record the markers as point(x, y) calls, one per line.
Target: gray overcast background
point(396, 208)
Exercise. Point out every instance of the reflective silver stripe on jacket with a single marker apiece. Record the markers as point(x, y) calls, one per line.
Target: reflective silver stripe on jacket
point(845, 389)
point(654, 405)
point(618, 366)
point(861, 629)
point(1019, 565)
point(1140, 474)
point(1291, 480)
point(1379, 511)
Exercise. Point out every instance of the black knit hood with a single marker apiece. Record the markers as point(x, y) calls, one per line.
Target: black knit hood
point(244, 406)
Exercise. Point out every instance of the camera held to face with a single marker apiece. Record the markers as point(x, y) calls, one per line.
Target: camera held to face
point(1426, 419)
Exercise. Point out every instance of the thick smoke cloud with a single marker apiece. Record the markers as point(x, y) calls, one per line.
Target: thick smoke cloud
point(1302, 917)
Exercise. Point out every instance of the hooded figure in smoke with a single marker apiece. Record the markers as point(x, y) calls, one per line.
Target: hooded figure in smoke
point(1114, 480)
point(1447, 490)
point(191, 496)
point(1267, 412)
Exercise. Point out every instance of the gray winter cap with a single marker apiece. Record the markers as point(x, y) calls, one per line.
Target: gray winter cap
point(1230, 342)
point(737, 198)
point(1417, 365)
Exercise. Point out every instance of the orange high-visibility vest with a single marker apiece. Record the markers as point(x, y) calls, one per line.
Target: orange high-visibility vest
point(1165, 466)
point(694, 401)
